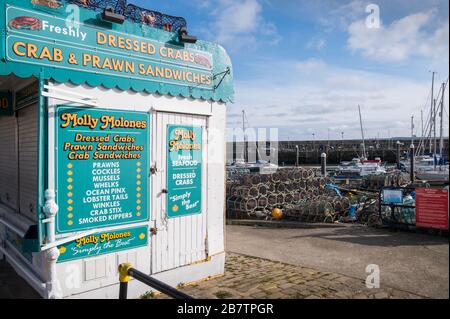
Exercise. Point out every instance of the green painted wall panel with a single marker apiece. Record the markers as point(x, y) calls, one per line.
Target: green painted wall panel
point(104, 243)
point(188, 70)
point(184, 170)
point(102, 168)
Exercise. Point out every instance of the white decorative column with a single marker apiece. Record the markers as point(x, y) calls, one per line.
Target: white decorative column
point(51, 254)
point(53, 286)
point(50, 211)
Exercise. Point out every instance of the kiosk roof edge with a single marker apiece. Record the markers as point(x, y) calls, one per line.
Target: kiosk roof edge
point(44, 42)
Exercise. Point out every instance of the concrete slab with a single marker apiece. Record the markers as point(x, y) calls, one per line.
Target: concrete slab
point(416, 263)
point(248, 277)
point(330, 262)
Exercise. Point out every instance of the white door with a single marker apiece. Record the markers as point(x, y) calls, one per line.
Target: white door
point(178, 241)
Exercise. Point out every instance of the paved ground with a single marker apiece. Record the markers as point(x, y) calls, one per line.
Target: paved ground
point(312, 263)
point(412, 262)
point(252, 277)
point(249, 277)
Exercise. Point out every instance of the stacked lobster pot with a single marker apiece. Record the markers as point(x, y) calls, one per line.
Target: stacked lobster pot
point(376, 182)
point(299, 192)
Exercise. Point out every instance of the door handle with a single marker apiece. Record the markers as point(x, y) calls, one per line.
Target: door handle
point(164, 191)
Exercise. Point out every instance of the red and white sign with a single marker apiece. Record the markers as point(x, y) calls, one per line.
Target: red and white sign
point(432, 208)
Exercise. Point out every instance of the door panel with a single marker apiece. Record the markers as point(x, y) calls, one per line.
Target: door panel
point(179, 241)
point(9, 171)
point(28, 152)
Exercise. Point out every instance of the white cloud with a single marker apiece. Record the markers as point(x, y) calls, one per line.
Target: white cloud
point(437, 45)
point(310, 65)
point(402, 39)
point(311, 95)
point(316, 44)
point(341, 16)
point(240, 24)
point(299, 103)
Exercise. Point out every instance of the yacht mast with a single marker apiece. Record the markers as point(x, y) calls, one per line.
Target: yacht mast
point(441, 139)
point(422, 137)
point(434, 132)
point(432, 108)
point(362, 133)
point(245, 142)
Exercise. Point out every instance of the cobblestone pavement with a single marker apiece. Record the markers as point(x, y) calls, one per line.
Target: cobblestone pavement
point(252, 277)
point(408, 261)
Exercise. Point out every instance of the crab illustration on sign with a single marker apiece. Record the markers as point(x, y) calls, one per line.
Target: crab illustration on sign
point(53, 4)
point(85, 3)
point(25, 23)
point(148, 17)
point(202, 60)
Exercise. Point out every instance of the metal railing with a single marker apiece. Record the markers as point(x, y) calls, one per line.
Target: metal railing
point(135, 13)
point(126, 272)
point(154, 18)
point(119, 6)
point(398, 214)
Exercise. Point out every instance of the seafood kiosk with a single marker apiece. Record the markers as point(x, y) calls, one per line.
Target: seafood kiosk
point(112, 139)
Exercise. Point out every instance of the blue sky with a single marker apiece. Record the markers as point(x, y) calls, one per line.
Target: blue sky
point(304, 66)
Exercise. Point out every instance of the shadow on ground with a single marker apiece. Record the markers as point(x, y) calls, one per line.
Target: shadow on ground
point(376, 237)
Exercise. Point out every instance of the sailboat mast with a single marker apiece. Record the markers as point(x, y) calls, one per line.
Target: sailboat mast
point(362, 132)
point(422, 137)
point(441, 138)
point(245, 140)
point(243, 123)
point(432, 107)
point(434, 134)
